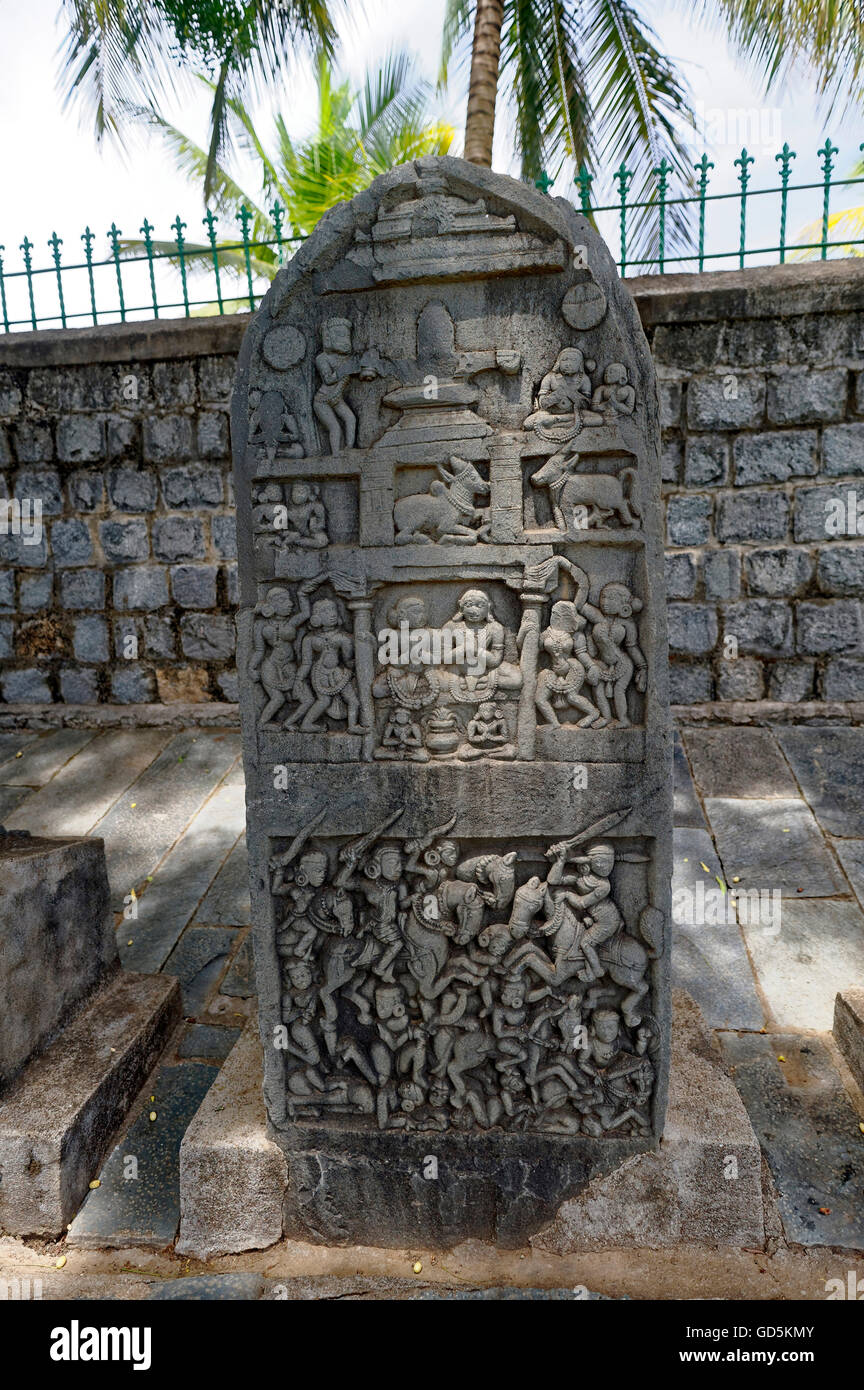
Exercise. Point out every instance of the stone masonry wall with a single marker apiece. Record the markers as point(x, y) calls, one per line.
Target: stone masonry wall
point(122, 432)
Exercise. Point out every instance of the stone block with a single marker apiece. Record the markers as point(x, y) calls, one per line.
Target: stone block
point(688, 519)
point(223, 530)
point(194, 586)
point(807, 395)
point(80, 439)
point(742, 679)
point(233, 1177)
point(26, 687)
point(79, 687)
point(178, 538)
point(706, 461)
point(680, 575)
point(843, 449)
point(761, 627)
point(848, 1029)
point(56, 938)
point(780, 570)
point(173, 383)
point(721, 574)
point(692, 628)
point(840, 569)
point(192, 487)
point(213, 435)
point(35, 593)
point(753, 516)
point(690, 683)
point(86, 490)
point(207, 637)
point(167, 438)
point(141, 587)
point(832, 627)
point(60, 1116)
point(90, 639)
point(124, 540)
point(132, 489)
point(843, 679)
point(82, 589)
point(40, 484)
point(71, 543)
point(775, 457)
point(733, 401)
point(791, 681)
point(133, 685)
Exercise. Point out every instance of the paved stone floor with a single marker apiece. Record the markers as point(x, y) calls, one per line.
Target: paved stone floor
point(778, 811)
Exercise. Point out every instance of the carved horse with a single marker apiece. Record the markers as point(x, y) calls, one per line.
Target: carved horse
point(447, 511)
point(623, 958)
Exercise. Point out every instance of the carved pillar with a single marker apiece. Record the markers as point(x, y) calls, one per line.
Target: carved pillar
point(364, 665)
point(505, 479)
point(526, 726)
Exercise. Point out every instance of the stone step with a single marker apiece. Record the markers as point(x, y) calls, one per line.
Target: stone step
point(808, 1132)
point(59, 1117)
point(849, 1030)
point(138, 1198)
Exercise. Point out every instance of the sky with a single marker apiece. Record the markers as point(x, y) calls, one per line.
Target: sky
point(55, 177)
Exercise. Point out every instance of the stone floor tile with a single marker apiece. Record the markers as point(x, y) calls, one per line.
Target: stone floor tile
point(227, 902)
point(145, 1210)
point(851, 856)
point(182, 879)
point(198, 960)
point(808, 1131)
point(43, 758)
point(206, 1040)
point(773, 843)
point(709, 960)
point(829, 764)
point(818, 951)
point(738, 762)
point(13, 741)
point(239, 982)
point(686, 809)
point(85, 789)
point(151, 815)
point(10, 798)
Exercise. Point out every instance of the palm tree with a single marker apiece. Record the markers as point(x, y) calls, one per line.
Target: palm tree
point(587, 84)
point(360, 133)
point(120, 54)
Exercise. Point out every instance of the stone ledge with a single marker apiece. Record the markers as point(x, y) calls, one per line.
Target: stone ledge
point(848, 1030)
point(214, 714)
point(760, 292)
point(179, 715)
point(141, 341)
point(59, 1118)
point(769, 712)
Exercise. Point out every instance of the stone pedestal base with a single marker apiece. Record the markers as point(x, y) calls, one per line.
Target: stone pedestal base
point(59, 1117)
point(241, 1190)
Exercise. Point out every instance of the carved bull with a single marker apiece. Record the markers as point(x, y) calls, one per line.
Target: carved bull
point(602, 494)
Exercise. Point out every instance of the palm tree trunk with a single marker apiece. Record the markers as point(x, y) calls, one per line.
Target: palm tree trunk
point(483, 86)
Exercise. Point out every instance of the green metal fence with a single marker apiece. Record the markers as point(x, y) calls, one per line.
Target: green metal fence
point(144, 278)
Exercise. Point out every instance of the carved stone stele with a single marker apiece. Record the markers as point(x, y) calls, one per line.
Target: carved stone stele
point(452, 656)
